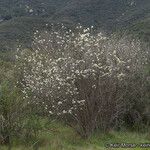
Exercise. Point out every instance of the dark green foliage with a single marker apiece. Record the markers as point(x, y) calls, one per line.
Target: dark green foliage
point(141, 29)
point(19, 19)
point(18, 31)
point(17, 120)
point(105, 12)
point(11, 112)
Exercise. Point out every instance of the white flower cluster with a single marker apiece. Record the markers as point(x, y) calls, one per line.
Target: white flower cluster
point(62, 59)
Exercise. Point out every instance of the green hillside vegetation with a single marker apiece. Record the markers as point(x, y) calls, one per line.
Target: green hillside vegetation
point(141, 29)
point(19, 19)
point(17, 8)
point(19, 30)
point(57, 136)
point(96, 12)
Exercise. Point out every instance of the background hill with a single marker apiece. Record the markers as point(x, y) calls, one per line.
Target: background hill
point(19, 18)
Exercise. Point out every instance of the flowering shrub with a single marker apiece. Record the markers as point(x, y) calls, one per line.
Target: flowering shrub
point(80, 74)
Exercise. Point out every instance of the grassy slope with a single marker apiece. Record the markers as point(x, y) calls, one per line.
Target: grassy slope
point(61, 137)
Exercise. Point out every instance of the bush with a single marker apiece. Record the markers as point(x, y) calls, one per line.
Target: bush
point(17, 120)
point(84, 76)
point(11, 112)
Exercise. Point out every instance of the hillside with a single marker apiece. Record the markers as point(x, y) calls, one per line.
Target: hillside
point(141, 29)
point(19, 30)
point(19, 18)
point(106, 14)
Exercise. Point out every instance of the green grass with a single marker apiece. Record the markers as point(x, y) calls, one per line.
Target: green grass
point(60, 137)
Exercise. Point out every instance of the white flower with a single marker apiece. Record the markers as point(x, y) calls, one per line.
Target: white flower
point(77, 72)
point(59, 103)
point(50, 112)
point(64, 111)
point(70, 111)
point(121, 75)
point(82, 101)
point(73, 101)
point(31, 10)
point(96, 66)
point(17, 57)
point(93, 86)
